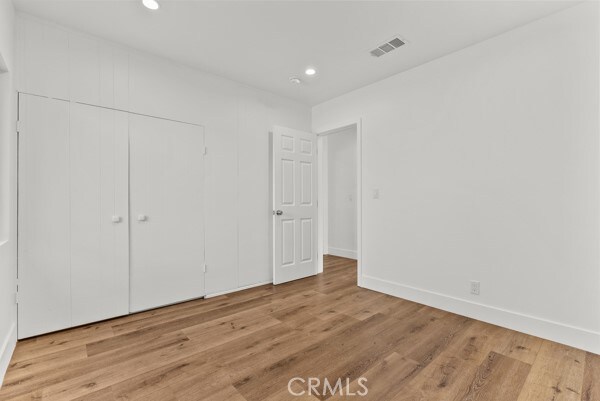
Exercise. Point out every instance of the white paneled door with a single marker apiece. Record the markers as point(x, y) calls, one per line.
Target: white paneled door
point(166, 212)
point(294, 204)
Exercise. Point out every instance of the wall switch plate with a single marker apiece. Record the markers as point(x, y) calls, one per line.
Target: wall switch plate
point(475, 287)
point(376, 193)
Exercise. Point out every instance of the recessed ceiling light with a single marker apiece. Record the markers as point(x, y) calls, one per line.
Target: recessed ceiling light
point(310, 71)
point(295, 80)
point(151, 4)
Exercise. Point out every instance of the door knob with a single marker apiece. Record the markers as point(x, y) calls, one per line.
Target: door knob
point(116, 219)
point(279, 212)
point(142, 217)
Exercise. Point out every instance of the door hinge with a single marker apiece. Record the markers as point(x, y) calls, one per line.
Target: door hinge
point(204, 268)
point(18, 126)
point(17, 293)
point(205, 151)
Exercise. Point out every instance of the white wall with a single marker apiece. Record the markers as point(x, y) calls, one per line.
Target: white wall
point(341, 193)
point(64, 64)
point(487, 162)
point(8, 267)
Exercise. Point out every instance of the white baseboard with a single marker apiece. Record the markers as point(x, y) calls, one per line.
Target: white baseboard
point(247, 287)
point(550, 330)
point(343, 253)
point(7, 349)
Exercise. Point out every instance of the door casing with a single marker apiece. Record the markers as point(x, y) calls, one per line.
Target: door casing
point(321, 133)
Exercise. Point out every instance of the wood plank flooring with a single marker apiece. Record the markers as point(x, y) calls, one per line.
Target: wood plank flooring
point(246, 346)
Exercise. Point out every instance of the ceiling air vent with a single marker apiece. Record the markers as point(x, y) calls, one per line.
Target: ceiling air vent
point(387, 47)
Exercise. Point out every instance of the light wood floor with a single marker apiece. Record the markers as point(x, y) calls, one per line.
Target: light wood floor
point(248, 345)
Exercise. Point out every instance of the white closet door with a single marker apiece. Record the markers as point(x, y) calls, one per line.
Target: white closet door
point(99, 214)
point(44, 235)
point(167, 212)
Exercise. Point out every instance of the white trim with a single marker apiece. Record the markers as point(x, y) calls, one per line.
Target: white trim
point(8, 347)
point(112, 108)
point(573, 336)
point(344, 253)
point(336, 127)
point(322, 201)
point(247, 287)
point(332, 129)
point(359, 202)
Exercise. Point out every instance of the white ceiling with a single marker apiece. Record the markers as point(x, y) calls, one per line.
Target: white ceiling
point(263, 43)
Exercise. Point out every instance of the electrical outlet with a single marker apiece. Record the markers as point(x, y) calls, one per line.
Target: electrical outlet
point(475, 287)
point(376, 193)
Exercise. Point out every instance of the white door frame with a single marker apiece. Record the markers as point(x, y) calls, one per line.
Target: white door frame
point(322, 193)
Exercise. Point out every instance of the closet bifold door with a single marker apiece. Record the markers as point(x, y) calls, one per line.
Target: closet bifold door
point(44, 300)
point(99, 213)
point(73, 215)
point(167, 212)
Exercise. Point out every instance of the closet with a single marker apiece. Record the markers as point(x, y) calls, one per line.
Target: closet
point(111, 213)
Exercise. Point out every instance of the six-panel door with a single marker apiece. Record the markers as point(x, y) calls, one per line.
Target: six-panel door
point(295, 204)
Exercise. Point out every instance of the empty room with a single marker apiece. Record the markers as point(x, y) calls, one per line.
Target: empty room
point(299, 200)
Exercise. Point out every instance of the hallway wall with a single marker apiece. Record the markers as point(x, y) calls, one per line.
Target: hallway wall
point(341, 191)
point(486, 162)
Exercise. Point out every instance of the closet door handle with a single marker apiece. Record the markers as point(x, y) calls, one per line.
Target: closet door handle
point(116, 219)
point(142, 217)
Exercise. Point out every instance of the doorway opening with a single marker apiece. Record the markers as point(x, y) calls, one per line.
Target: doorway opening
point(339, 198)
point(317, 208)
